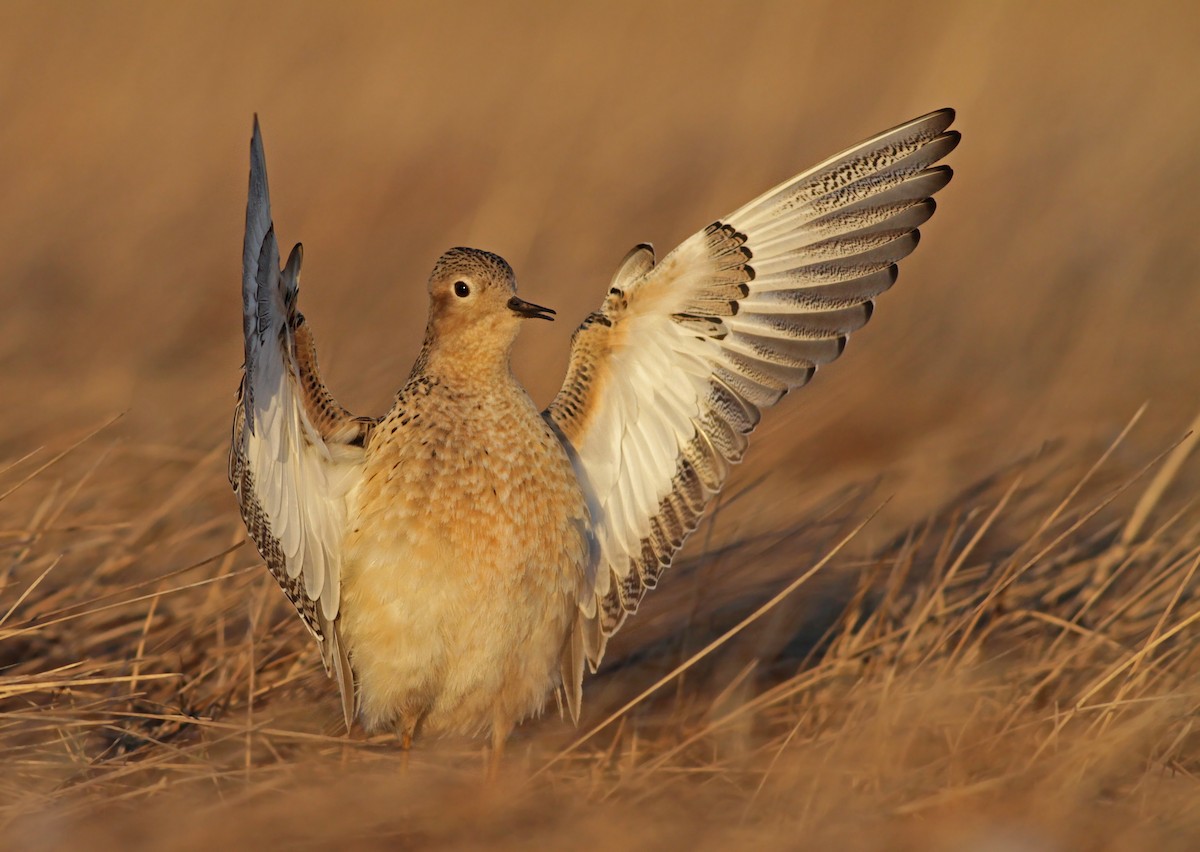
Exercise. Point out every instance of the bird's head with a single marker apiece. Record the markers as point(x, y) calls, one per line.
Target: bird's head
point(473, 304)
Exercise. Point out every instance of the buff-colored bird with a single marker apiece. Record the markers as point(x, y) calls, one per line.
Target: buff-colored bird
point(465, 556)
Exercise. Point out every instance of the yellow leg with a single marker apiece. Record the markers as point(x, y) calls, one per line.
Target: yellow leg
point(499, 738)
point(404, 733)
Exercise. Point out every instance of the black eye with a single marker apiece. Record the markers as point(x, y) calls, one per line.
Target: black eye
point(461, 289)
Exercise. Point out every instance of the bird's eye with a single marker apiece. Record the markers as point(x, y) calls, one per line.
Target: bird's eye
point(461, 289)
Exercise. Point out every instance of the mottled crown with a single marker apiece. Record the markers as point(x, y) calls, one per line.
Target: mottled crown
point(469, 261)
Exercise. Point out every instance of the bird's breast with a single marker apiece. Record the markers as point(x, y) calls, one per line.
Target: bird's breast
point(483, 481)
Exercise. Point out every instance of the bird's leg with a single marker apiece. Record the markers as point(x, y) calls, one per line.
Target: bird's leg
point(500, 732)
point(404, 733)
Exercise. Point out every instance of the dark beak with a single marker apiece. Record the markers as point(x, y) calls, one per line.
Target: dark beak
point(529, 310)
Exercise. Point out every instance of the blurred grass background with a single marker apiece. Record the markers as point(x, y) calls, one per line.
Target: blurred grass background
point(1054, 292)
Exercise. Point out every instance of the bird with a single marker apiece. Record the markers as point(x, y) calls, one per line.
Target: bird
point(465, 557)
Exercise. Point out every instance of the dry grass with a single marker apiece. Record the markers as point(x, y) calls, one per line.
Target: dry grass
point(1020, 665)
point(1004, 656)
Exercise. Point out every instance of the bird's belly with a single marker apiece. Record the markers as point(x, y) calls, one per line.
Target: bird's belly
point(459, 590)
point(448, 648)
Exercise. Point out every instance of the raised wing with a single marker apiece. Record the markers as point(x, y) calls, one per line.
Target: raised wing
point(295, 452)
point(667, 379)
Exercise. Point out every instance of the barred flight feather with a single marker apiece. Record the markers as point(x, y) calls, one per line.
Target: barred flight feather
point(668, 379)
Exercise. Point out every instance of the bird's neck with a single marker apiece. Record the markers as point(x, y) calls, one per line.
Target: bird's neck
point(468, 364)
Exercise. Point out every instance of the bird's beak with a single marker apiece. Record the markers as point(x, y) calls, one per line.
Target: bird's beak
point(529, 310)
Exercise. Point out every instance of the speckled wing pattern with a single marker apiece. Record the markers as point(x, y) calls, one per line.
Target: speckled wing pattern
point(668, 378)
point(295, 452)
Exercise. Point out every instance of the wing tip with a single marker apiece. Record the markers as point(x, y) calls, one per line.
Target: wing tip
point(944, 116)
point(937, 122)
point(938, 175)
point(257, 155)
point(258, 198)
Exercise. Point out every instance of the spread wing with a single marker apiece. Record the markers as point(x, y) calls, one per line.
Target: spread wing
point(295, 452)
point(668, 378)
